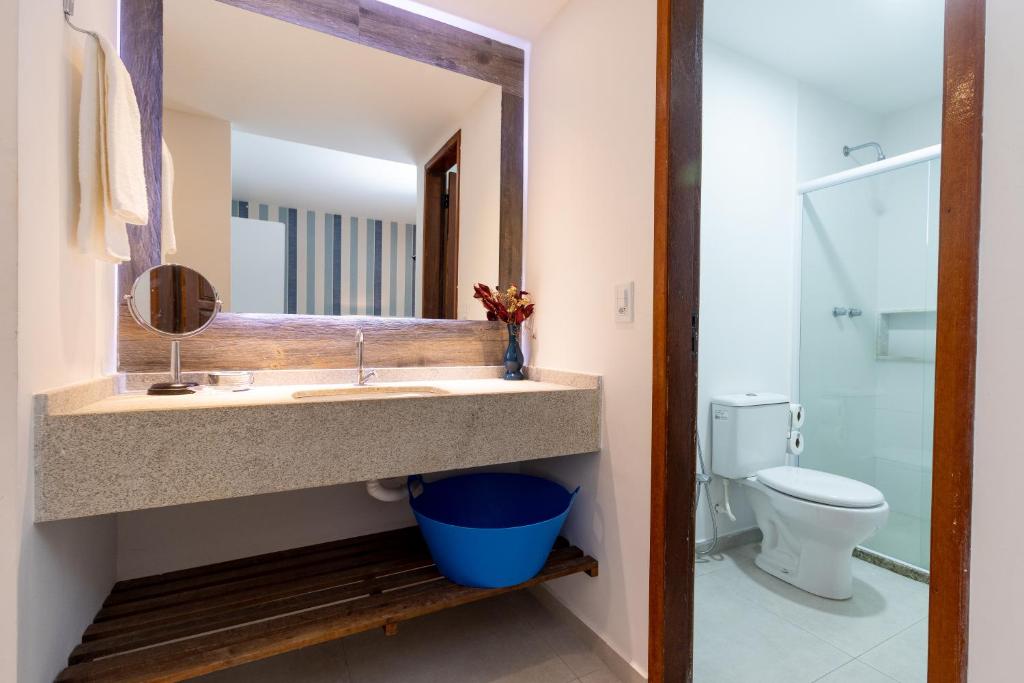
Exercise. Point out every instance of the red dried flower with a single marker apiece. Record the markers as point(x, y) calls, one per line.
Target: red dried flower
point(511, 306)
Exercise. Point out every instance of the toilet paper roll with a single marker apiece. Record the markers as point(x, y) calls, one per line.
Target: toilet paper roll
point(796, 443)
point(796, 412)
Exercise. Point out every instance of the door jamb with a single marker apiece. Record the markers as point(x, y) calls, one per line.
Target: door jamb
point(439, 294)
point(676, 298)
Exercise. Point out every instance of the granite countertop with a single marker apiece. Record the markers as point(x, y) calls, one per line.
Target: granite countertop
point(106, 446)
point(211, 397)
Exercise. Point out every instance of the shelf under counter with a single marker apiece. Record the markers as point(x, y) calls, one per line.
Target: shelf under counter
point(98, 451)
point(176, 626)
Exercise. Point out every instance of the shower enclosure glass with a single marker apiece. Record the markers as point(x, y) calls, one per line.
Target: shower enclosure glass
point(868, 277)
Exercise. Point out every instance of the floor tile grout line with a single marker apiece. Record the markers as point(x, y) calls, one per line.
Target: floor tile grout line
point(874, 668)
point(829, 673)
point(752, 601)
point(895, 635)
point(775, 614)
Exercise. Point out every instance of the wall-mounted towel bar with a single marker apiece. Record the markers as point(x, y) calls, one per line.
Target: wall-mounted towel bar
point(69, 11)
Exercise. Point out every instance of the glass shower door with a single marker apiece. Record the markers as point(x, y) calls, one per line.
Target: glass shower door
point(868, 277)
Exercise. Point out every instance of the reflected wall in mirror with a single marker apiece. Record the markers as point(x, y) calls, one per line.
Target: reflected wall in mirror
point(308, 171)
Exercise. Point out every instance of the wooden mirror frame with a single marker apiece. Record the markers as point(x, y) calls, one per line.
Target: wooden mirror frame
point(267, 341)
point(676, 296)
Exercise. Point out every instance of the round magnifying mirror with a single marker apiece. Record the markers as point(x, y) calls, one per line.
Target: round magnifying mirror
point(175, 302)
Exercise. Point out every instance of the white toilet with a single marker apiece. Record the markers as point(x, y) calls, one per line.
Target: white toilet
point(811, 520)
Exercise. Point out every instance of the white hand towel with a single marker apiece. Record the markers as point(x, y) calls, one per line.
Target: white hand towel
point(168, 243)
point(110, 167)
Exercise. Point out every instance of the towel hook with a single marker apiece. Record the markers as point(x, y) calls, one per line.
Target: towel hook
point(69, 11)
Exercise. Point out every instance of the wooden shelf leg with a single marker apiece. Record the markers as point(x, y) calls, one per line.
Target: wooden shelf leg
point(391, 629)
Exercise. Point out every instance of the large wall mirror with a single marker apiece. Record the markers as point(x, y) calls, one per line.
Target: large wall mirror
point(319, 176)
point(327, 161)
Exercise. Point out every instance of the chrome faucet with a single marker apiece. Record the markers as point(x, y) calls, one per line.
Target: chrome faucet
point(361, 376)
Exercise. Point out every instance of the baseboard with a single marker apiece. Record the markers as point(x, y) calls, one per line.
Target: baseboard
point(892, 564)
point(735, 539)
point(616, 663)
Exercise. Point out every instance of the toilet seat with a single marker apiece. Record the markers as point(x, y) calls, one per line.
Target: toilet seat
point(821, 487)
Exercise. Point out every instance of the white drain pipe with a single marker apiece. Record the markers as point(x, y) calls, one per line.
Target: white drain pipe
point(393, 492)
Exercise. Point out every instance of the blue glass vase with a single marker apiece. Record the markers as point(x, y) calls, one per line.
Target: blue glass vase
point(513, 355)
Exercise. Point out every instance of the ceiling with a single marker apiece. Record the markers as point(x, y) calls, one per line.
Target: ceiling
point(883, 55)
point(276, 79)
point(292, 174)
point(521, 18)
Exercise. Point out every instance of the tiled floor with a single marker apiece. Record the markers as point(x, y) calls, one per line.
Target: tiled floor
point(507, 639)
point(751, 627)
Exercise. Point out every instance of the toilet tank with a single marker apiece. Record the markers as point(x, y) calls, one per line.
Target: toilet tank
point(749, 432)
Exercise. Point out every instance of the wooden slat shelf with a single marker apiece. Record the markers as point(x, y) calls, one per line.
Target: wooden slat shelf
point(183, 624)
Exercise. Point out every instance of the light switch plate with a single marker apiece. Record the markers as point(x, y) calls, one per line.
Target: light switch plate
point(624, 303)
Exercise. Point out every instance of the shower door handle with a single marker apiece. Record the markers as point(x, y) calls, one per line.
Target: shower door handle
point(838, 311)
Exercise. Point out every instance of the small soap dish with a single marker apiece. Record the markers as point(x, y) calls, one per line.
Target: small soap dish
point(231, 380)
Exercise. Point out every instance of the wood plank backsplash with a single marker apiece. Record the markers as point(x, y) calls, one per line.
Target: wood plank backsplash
point(276, 342)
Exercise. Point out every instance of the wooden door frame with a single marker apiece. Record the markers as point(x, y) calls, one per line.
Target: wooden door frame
point(676, 297)
point(439, 294)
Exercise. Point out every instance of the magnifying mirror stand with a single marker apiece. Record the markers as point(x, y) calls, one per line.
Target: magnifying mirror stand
point(178, 303)
point(175, 387)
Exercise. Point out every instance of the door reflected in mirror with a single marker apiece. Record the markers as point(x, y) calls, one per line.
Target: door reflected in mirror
point(307, 169)
point(173, 301)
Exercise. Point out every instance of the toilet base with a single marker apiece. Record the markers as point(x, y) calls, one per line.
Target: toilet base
point(810, 545)
point(822, 571)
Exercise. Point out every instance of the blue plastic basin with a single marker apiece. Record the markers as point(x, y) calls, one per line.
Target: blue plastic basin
point(490, 530)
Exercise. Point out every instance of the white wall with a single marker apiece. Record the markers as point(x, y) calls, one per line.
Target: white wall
point(164, 539)
point(65, 334)
point(286, 173)
point(11, 488)
point(997, 556)
point(479, 200)
point(201, 149)
point(912, 128)
point(590, 217)
point(257, 266)
point(748, 213)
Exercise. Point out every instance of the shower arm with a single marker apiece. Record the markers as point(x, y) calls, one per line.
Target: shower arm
point(847, 150)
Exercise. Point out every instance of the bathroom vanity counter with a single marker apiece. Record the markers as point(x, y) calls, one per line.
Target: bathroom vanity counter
point(107, 447)
point(207, 397)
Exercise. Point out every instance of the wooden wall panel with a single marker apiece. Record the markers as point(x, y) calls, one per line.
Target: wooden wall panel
point(142, 50)
point(275, 342)
point(510, 241)
point(385, 27)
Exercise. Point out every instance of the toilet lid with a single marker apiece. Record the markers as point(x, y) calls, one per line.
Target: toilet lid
point(821, 487)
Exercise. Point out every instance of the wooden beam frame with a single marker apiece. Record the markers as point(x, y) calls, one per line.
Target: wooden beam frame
point(676, 296)
point(277, 341)
point(956, 340)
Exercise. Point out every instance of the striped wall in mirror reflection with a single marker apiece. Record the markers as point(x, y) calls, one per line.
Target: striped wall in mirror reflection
point(337, 264)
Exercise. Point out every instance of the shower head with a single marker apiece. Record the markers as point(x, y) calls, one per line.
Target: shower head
point(878, 149)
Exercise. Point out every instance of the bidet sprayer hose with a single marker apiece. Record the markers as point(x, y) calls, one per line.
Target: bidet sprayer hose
point(704, 486)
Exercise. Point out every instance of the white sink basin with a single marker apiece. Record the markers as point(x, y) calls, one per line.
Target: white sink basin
point(370, 391)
